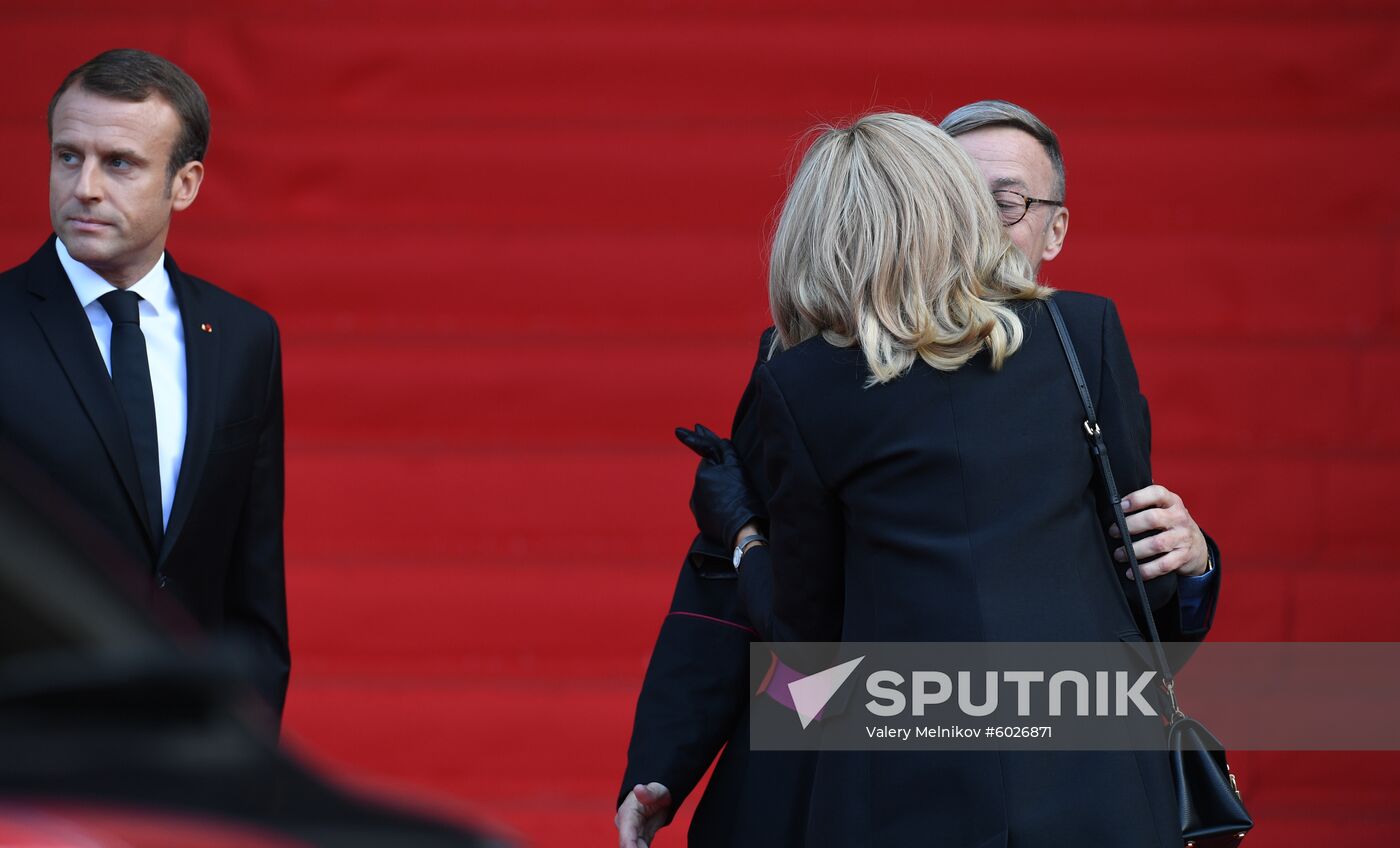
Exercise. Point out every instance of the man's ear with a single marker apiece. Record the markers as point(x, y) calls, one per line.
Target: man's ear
point(185, 185)
point(1055, 234)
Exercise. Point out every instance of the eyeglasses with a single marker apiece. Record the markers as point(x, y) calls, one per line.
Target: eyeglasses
point(1013, 205)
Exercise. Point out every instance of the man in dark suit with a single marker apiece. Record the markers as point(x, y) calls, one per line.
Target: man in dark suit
point(695, 702)
point(153, 398)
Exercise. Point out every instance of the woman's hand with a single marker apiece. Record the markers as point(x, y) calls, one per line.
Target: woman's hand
point(721, 500)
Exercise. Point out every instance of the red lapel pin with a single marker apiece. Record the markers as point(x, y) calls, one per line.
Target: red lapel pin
point(208, 328)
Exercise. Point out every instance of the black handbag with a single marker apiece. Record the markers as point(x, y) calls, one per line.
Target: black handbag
point(1211, 810)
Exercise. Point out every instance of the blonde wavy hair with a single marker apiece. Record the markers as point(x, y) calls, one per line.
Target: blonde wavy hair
point(889, 239)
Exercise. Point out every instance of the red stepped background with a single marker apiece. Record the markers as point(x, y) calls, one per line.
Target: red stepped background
point(512, 244)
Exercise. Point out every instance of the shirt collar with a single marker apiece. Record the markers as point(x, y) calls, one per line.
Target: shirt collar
point(154, 288)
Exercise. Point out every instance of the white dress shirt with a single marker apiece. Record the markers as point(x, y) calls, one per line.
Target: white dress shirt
point(165, 352)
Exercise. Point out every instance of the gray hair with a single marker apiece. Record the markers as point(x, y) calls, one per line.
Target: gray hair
point(1002, 113)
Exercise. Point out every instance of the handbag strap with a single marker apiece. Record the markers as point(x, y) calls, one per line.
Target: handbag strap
point(1094, 433)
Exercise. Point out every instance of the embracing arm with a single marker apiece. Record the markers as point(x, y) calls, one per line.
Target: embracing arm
point(1168, 535)
point(696, 684)
point(1180, 563)
point(696, 687)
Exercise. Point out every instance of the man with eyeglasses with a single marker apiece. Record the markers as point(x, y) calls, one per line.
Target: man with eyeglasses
point(695, 699)
point(1020, 157)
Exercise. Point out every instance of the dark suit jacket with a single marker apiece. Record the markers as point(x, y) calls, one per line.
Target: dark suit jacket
point(221, 556)
point(962, 506)
point(695, 696)
point(694, 699)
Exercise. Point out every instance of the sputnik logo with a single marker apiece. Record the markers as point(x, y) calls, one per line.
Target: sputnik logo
point(811, 694)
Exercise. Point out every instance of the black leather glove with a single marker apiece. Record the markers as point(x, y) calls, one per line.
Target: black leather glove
point(721, 500)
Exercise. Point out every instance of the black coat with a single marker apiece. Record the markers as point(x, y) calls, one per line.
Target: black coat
point(221, 556)
point(695, 700)
point(695, 696)
point(962, 506)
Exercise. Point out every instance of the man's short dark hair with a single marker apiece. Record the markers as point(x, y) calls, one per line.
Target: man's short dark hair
point(133, 76)
point(1003, 113)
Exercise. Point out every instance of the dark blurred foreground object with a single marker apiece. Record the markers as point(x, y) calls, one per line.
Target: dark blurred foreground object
point(117, 731)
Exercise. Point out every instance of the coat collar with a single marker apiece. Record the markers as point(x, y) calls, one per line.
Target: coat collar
point(201, 395)
point(60, 316)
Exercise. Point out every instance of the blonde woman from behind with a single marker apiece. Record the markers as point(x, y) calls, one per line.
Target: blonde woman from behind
point(926, 479)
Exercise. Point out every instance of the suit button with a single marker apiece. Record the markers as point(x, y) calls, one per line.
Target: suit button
point(162, 580)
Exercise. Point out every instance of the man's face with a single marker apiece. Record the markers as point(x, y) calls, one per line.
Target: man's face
point(1012, 159)
point(110, 198)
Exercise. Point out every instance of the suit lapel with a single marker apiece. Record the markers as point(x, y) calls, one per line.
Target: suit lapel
point(201, 397)
point(61, 318)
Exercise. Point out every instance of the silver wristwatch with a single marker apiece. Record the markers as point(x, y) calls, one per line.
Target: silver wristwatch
point(744, 544)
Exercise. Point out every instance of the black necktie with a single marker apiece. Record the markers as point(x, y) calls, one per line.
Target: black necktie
point(131, 373)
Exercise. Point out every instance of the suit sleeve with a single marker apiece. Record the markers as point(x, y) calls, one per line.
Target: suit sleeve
point(696, 684)
point(1127, 424)
point(255, 603)
point(695, 689)
point(1198, 596)
point(806, 527)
